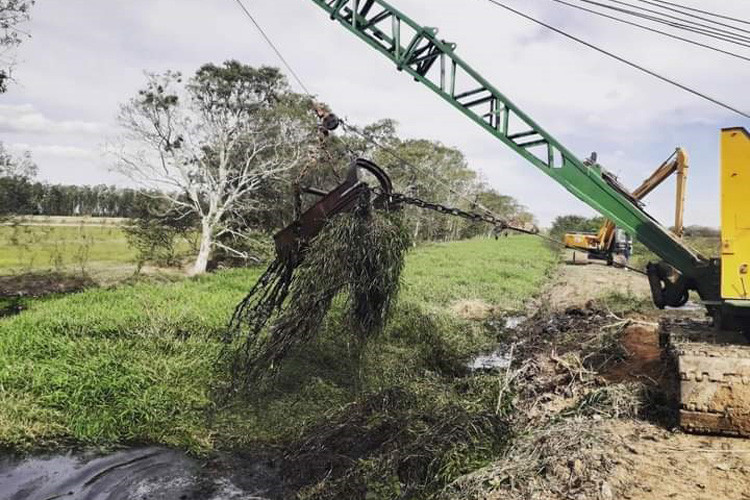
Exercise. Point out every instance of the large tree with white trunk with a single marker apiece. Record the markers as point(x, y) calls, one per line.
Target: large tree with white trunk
point(207, 144)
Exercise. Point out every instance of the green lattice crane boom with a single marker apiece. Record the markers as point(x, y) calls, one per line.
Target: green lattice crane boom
point(418, 51)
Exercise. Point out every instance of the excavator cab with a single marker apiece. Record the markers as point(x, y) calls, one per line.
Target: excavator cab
point(622, 247)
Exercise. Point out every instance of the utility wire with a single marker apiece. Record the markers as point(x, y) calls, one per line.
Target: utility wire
point(681, 19)
point(273, 47)
point(622, 60)
point(653, 30)
point(17, 30)
point(670, 9)
point(720, 16)
point(708, 31)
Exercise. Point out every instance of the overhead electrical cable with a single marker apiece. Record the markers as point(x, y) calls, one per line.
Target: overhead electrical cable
point(720, 16)
point(273, 47)
point(735, 39)
point(653, 30)
point(670, 9)
point(622, 59)
point(679, 23)
point(690, 17)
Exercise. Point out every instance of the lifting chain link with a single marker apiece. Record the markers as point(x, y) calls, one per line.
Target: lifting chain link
point(500, 224)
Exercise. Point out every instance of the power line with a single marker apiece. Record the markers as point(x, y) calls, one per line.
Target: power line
point(17, 30)
point(669, 16)
point(273, 47)
point(622, 60)
point(653, 30)
point(670, 9)
point(708, 31)
point(720, 16)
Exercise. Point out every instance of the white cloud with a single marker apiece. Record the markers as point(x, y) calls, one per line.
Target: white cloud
point(24, 118)
point(56, 151)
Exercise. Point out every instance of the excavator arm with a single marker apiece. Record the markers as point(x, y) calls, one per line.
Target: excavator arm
point(430, 60)
point(602, 245)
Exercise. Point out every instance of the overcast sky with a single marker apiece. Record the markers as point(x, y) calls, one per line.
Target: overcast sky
point(87, 57)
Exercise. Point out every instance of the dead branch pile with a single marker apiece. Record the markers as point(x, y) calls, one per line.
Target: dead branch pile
point(561, 411)
point(359, 256)
point(571, 459)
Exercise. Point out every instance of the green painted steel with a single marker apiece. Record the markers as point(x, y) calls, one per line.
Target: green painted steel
point(418, 51)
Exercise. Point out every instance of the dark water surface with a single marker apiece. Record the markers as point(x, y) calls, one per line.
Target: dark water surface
point(137, 474)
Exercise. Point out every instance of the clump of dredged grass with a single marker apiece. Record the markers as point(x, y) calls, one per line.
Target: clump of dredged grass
point(359, 256)
point(407, 441)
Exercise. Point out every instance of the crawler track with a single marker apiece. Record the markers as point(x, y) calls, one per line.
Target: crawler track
point(714, 377)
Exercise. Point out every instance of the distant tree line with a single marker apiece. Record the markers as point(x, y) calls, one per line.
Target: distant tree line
point(24, 196)
point(564, 224)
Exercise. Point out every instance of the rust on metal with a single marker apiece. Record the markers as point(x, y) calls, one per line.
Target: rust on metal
point(344, 198)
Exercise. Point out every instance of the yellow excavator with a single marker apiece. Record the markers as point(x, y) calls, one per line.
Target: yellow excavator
point(615, 245)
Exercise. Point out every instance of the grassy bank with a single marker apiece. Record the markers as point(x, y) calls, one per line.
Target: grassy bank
point(137, 363)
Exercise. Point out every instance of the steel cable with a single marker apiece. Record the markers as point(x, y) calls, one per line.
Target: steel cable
point(720, 16)
point(622, 59)
point(709, 32)
point(653, 30)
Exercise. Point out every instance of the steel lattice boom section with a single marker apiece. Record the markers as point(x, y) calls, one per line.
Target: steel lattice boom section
point(433, 62)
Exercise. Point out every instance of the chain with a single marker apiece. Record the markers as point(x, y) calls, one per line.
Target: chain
point(500, 224)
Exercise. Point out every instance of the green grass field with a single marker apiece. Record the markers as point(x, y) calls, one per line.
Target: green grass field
point(58, 246)
point(138, 363)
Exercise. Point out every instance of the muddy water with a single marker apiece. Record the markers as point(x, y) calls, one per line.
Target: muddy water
point(137, 474)
point(500, 358)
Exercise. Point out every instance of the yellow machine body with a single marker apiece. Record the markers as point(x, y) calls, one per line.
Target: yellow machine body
point(735, 214)
point(601, 243)
point(583, 241)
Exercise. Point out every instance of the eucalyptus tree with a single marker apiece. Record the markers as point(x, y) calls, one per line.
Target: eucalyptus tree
point(208, 144)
